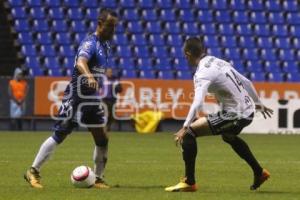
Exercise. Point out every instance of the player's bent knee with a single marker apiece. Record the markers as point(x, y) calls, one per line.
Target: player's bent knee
point(228, 138)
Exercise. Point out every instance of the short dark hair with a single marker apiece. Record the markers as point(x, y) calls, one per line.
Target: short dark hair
point(104, 13)
point(195, 46)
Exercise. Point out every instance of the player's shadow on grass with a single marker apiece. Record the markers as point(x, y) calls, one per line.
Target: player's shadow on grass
point(138, 186)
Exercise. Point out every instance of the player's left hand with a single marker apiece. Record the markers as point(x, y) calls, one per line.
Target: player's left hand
point(267, 112)
point(179, 136)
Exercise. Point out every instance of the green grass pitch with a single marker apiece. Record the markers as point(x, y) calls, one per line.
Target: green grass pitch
point(140, 166)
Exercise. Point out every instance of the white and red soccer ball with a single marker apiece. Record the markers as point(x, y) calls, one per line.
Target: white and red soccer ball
point(83, 177)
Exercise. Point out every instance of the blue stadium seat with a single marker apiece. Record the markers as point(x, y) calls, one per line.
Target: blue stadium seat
point(215, 52)
point(180, 64)
point(141, 51)
point(258, 17)
point(146, 4)
point(250, 54)
point(37, 71)
point(68, 62)
point(246, 42)
point(219, 5)
point(18, 12)
point(262, 29)
point(59, 26)
point(283, 43)
point(174, 40)
point(205, 16)
point(159, 52)
point(226, 29)
point(240, 17)
point(183, 4)
point(290, 66)
point(92, 14)
point(223, 16)
point(67, 50)
point(92, 26)
point(28, 50)
point(238, 5)
point(167, 75)
point(25, 38)
point(153, 27)
point(172, 28)
point(264, 42)
point(90, 4)
point(127, 3)
point(280, 30)
point(176, 52)
point(129, 74)
point(258, 76)
point(293, 77)
point(121, 39)
point(109, 4)
point(232, 53)
point(228, 41)
point(52, 3)
point(190, 28)
point(44, 38)
point(56, 72)
point(208, 29)
point(135, 27)
point(156, 39)
point(163, 64)
point(21, 25)
point(79, 37)
point(127, 63)
point(164, 4)
point(51, 63)
point(71, 3)
point(145, 63)
point(286, 54)
point(268, 54)
point(272, 66)
point(257, 5)
point(32, 62)
point(186, 16)
point(239, 65)
point(147, 74)
point(34, 3)
point(244, 29)
point(295, 30)
point(15, 3)
point(56, 13)
point(38, 13)
point(168, 15)
point(293, 18)
point(184, 75)
point(139, 39)
point(47, 50)
point(40, 25)
point(273, 6)
point(211, 41)
point(276, 18)
point(131, 15)
point(149, 15)
point(78, 26)
point(295, 42)
point(290, 6)
point(203, 5)
point(274, 77)
point(124, 51)
point(254, 66)
point(75, 13)
point(63, 38)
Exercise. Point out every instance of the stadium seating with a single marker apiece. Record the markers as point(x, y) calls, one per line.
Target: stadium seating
point(261, 38)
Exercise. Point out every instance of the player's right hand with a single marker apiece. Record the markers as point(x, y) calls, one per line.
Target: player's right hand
point(92, 83)
point(267, 112)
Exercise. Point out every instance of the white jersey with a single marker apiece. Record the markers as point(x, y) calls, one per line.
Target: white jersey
point(234, 92)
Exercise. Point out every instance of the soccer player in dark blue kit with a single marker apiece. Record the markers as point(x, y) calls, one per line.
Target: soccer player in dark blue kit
point(81, 103)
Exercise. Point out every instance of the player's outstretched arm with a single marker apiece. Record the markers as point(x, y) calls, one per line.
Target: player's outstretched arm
point(267, 112)
point(83, 68)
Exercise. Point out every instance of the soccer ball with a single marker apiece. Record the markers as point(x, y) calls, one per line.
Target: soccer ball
point(83, 177)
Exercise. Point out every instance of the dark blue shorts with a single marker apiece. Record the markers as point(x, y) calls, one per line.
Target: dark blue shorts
point(79, 112)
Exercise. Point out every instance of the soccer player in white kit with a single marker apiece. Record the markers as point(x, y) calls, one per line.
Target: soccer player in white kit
point(238, 101)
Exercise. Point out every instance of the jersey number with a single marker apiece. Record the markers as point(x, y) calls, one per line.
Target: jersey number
point(236, 80)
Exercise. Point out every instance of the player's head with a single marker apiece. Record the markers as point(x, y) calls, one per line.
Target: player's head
point(194, 50)
point(107, 21)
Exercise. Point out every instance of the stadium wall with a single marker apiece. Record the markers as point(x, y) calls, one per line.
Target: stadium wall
point(173, 98)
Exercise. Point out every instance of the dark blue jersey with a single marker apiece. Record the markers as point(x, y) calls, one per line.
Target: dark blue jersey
point(97, 53)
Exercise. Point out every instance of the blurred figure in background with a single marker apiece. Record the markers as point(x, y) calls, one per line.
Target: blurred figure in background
point(112, 87)
point(17, 90)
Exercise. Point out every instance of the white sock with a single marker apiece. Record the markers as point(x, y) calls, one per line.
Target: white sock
point(46, 150)
point(100, 159)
